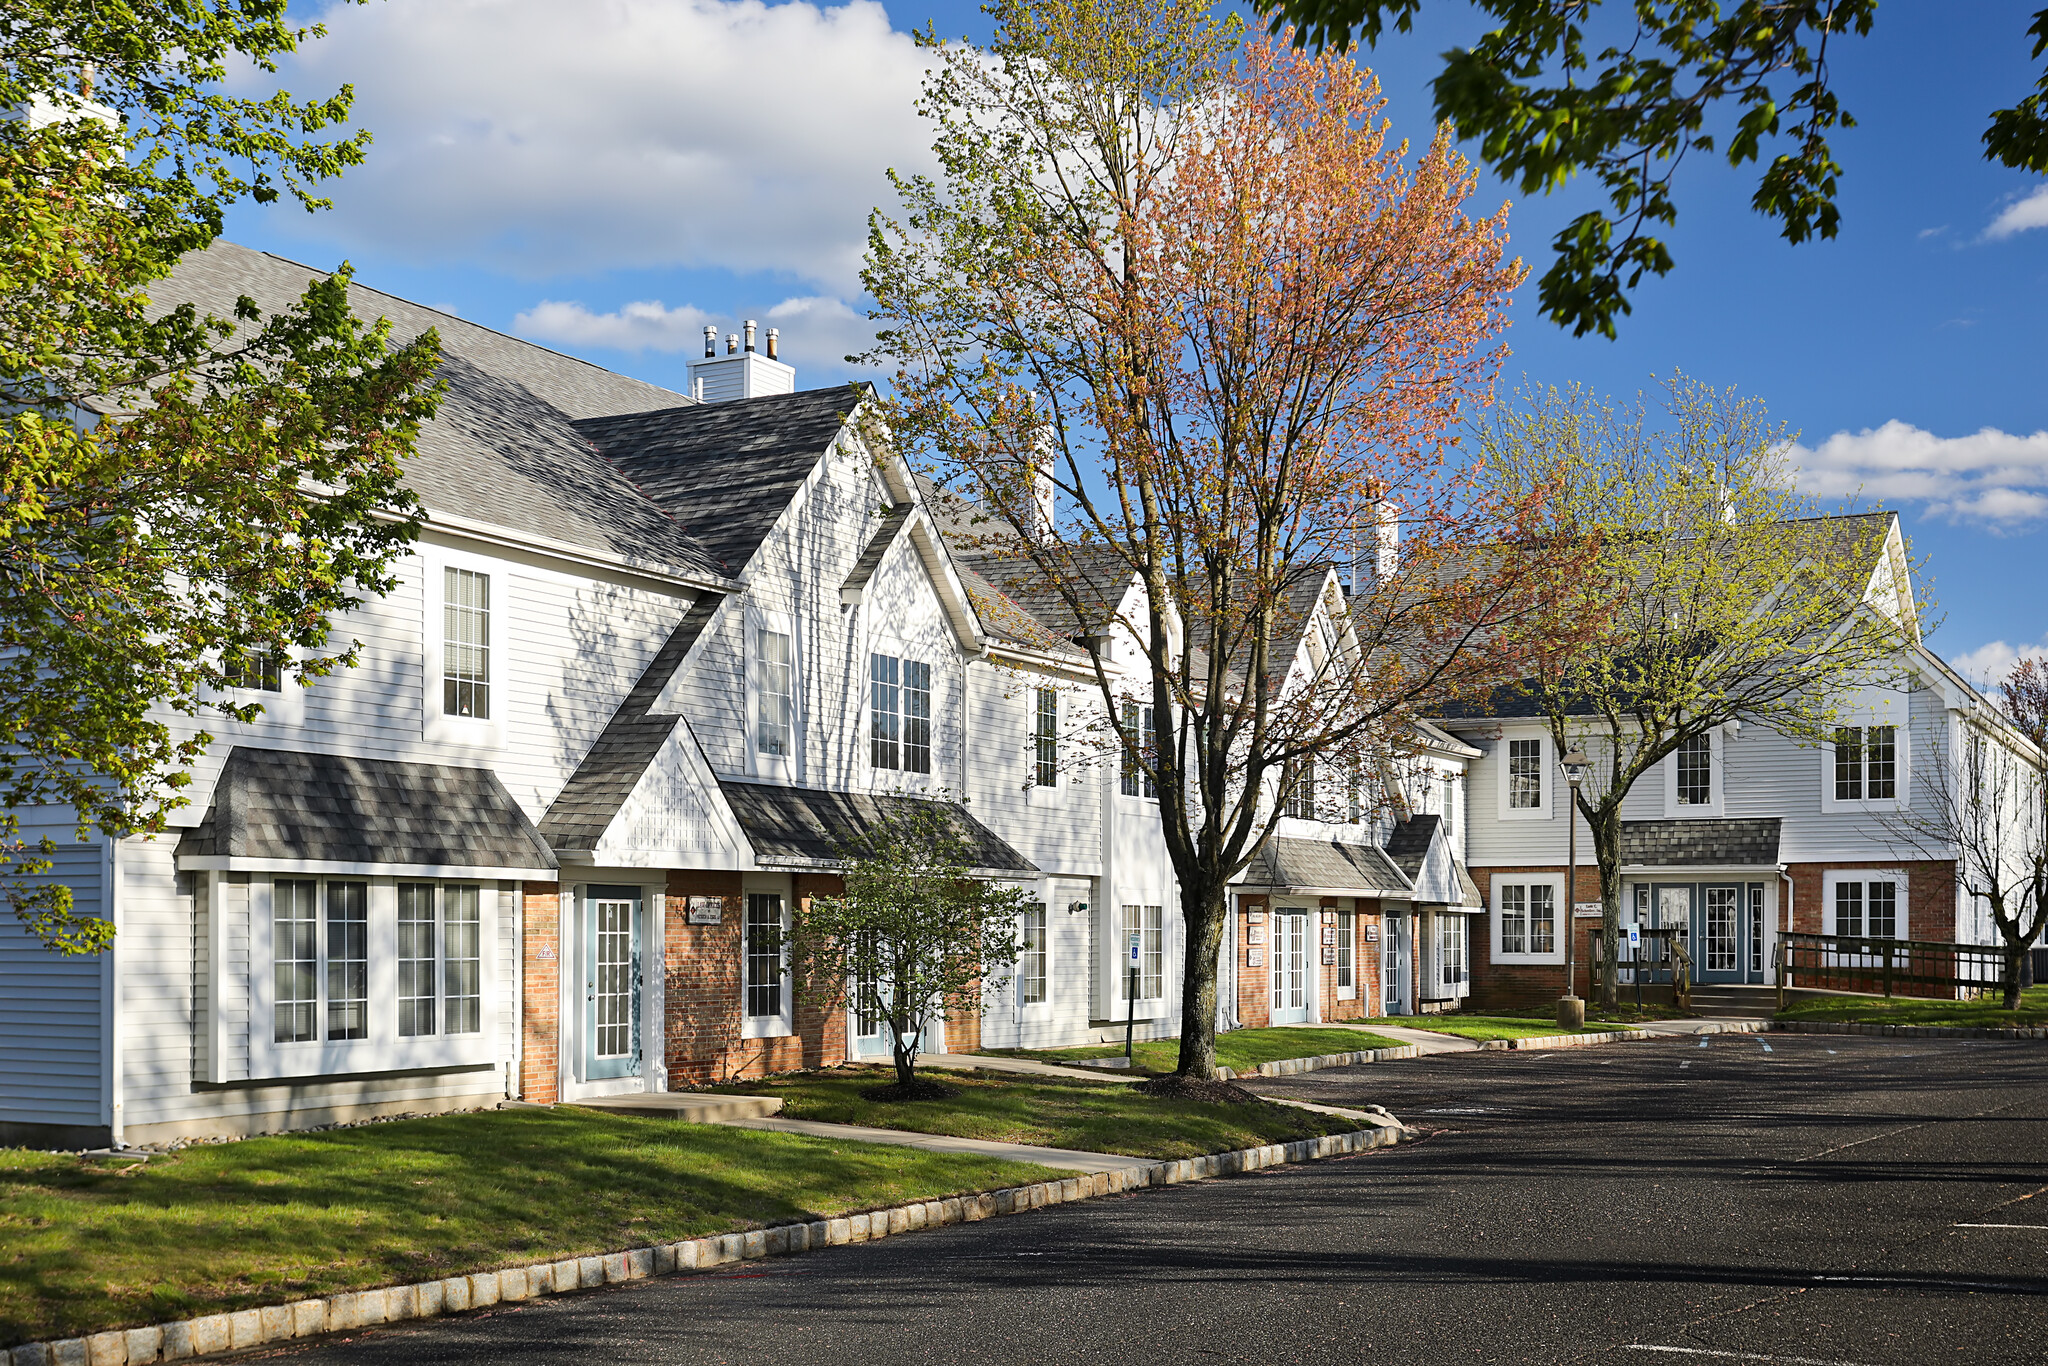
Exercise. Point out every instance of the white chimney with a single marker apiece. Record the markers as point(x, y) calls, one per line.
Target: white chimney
point(738, 373)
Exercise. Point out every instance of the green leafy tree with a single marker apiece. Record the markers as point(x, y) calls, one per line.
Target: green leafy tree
point(1556, 87)
point(1712, 597)
point(185, 499)
point(914, 935)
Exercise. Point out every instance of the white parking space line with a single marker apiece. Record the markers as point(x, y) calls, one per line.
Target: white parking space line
point(2038, 1228)
point(1738, 1356)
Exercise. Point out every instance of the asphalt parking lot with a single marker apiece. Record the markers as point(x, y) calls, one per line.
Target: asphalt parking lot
point(1796, 1199)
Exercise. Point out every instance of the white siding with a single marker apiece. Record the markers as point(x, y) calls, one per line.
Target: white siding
point(51, 1037)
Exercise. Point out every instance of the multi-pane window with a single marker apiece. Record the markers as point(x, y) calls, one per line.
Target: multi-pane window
point(1347, 958)
point(348, 960)
point(1866, 763)
point(295, 954)
point(419, 960)
point(1528, 917)
point(764, 955)
point(1525, 775)
point(1867, 909)
point(466, 643)
point(1031, 959)
point(900, 714)
point(1298, 791)
point(611, 987)
point(1450, 806)
point(1451, 931)
point(774, 688)
point(321, 960)
point(1696, 771)
point(254, 671)
point(1045, 735)
point(1149, 922)
point(1138, 724)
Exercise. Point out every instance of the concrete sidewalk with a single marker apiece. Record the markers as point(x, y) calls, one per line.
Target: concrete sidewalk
point(970, 1062)
point(1424, 1040)
point(1067, 1158)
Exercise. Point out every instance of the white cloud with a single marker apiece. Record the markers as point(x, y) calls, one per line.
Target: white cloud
point(817, 332)
point(1993, 478)
point(548, 139)
point(1988, 665)
point(2021, 214)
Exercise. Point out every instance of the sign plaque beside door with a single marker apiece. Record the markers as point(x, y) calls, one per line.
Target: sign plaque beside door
point(705, 910)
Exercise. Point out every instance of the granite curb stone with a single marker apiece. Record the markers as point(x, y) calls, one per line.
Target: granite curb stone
point(1287, 1067)
point(1908, 1031)
point(239, 1331)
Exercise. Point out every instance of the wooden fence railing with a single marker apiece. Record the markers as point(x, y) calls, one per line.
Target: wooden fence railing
point(1850, 963)
point(1661, 957)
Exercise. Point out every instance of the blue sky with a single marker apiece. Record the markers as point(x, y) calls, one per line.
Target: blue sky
point(606, 178)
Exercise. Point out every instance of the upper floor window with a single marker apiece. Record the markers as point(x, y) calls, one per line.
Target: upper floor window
point(1525, 775)
point(774, 689)
point(1696, 771)
point(254, 671)
point(1450, 807)
point(1138, 724)
point(466, 643)
point(900, 711)
point(1298, 791)
point(1045, 734)
point(1866, 763)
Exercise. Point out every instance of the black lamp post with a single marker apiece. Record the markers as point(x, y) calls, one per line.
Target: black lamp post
point(1571, 1009)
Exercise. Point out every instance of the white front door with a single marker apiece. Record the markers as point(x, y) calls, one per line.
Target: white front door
point(1290, 965)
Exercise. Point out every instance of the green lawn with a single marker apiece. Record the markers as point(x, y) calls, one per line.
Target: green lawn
point(1240, 1050)
point(89, 1245)
point(1485, 1027)
point(1102, 1117)
point(1913, 1010)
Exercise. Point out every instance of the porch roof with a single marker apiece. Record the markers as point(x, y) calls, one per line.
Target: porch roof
point(1324, 866)
point(1719, 842)
point(805, 827)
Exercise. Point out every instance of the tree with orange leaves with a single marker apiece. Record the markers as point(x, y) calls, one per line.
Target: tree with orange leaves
point(1191, 332)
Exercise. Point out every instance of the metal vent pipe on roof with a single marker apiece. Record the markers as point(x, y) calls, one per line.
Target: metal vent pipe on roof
point(771, 343)
point(710, 341)
point(750, 336)
point(732, 343)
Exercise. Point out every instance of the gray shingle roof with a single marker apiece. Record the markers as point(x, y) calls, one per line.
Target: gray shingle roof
point(1737, 842)
point(1324, 865)
point(889, 525)
point(274, 804)
point(807, 826)
point(725, 471)
point(590, 800)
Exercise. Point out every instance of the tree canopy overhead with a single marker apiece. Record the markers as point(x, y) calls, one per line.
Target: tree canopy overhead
point(1625, 92)
point(187, 500)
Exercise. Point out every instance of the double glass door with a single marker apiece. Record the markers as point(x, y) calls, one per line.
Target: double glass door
point(1722, 925)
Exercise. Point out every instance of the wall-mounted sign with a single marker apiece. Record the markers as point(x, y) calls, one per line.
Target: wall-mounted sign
point(1330, 916)
point(1330, 934)
point(706, 910)
point(1586, 910)
point(546, 953)
point(1372, 934)
point(1329, 954)
point(1255, 917)
point(1254, 935)
point(1255, 958)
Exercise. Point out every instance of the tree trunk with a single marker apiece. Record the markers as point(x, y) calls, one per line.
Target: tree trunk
point(1203, 909)
point(905, 1055)
point(1606, 832)
point(2015, 964)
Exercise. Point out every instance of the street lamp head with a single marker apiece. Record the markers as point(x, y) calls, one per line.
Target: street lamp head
point(1577, 767)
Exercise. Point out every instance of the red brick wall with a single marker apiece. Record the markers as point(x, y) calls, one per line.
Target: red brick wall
point(540, 1061)
point(1930, 911)
point(1501, 985)
point(1254, 984)
point(1371, 982)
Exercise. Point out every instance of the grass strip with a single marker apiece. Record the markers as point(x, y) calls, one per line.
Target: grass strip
point(1486, 1027)
point(1240, 1050)
point(92, 1245)
point(1913, 1010)
point(1051, 1112)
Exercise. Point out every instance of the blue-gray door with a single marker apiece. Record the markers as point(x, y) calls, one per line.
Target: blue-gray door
point(611, 982)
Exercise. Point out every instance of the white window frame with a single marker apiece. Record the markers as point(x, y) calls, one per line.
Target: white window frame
point(1347, 947)
point(1835, 877)
point(1136, 773)
point(1554, 881)
point(785, 768)
point(1717, 774)
point(1043, 911)
point(780, 1025)
point(1902, 761)
point(384, 1049)
point(285, 707)
point(436, 726)
point(901, 776)
point(1037, 793)
point(1546, 763)
point(1148, 1007)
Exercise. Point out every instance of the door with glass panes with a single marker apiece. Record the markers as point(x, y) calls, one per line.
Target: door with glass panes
point(611, 982)
point(1291, 936)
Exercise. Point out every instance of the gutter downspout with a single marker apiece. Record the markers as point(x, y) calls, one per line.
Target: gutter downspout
point(1784, 876)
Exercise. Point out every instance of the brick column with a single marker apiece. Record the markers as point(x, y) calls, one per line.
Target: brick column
point(540, 1058)
point(1254, 983)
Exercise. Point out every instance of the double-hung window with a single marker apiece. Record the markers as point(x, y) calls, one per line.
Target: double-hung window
point(1031, 957)
point(1298, 790)
point(1866, 763)
point(1045, 736)
point(1452, 930)
point(254, 671)
point(1527, 914)
point(1866, 907)
point(1149, 924)
point(774, 694)
point(1695, 762)
point(325, 951)
point(348, 960)
point(465, 643)
point(1139, 725)
point(440, 959)
point(899, 714)
point(1347, 955)
point(766, 966)
point(1525, 775)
